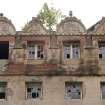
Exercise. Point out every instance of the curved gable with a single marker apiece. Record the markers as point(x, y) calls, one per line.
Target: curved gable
point(71, 25)
point(35, 26)
point(6, 26)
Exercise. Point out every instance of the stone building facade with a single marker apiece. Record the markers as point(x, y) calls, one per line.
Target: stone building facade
point(66, 67)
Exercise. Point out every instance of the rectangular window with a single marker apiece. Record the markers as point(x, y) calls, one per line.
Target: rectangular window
point(34, 90)
point(35, 51)
point(72, 51)
point(102, 50)
point(3, 86)
point(73, 90)
point(103, 90)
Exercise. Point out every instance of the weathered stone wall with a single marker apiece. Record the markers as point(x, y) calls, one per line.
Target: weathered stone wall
point(53, 90)
point(54, 52)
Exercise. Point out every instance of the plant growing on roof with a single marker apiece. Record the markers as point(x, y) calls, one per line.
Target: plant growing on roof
point(49, 17)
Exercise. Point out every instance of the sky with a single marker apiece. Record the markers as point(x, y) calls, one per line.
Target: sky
point(21, 11)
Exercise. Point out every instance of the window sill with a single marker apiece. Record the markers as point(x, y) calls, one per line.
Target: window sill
point(33, 59)
point(101, 59)
point(73, 100)
point(67, 60)
point(71, 58)
point(33, 99)
point(3, 100)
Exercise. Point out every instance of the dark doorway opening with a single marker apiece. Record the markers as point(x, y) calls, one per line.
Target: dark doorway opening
point(4, 49)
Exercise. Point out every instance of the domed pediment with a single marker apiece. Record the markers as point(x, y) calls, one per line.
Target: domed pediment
point(71, 25)
point(35, 26)
point(6, 26)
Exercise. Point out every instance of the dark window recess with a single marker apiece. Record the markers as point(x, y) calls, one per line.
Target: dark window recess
point(38, 53)
point(2, 95)
point(35, 95)
point(41, 55)
point(33, 52)
point(4, 50)
point(28, 89)
point(100, 55)
point(68, 56)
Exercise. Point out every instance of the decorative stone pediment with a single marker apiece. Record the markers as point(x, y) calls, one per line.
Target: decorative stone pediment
point(6, 26)
point(71, 25)
point(35, 26)
point(98, 28)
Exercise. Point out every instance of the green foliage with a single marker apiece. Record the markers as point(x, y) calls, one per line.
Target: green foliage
point(49, 17)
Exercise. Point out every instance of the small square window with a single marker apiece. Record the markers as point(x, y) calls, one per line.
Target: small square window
point(73, 90)
point(34, 90)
